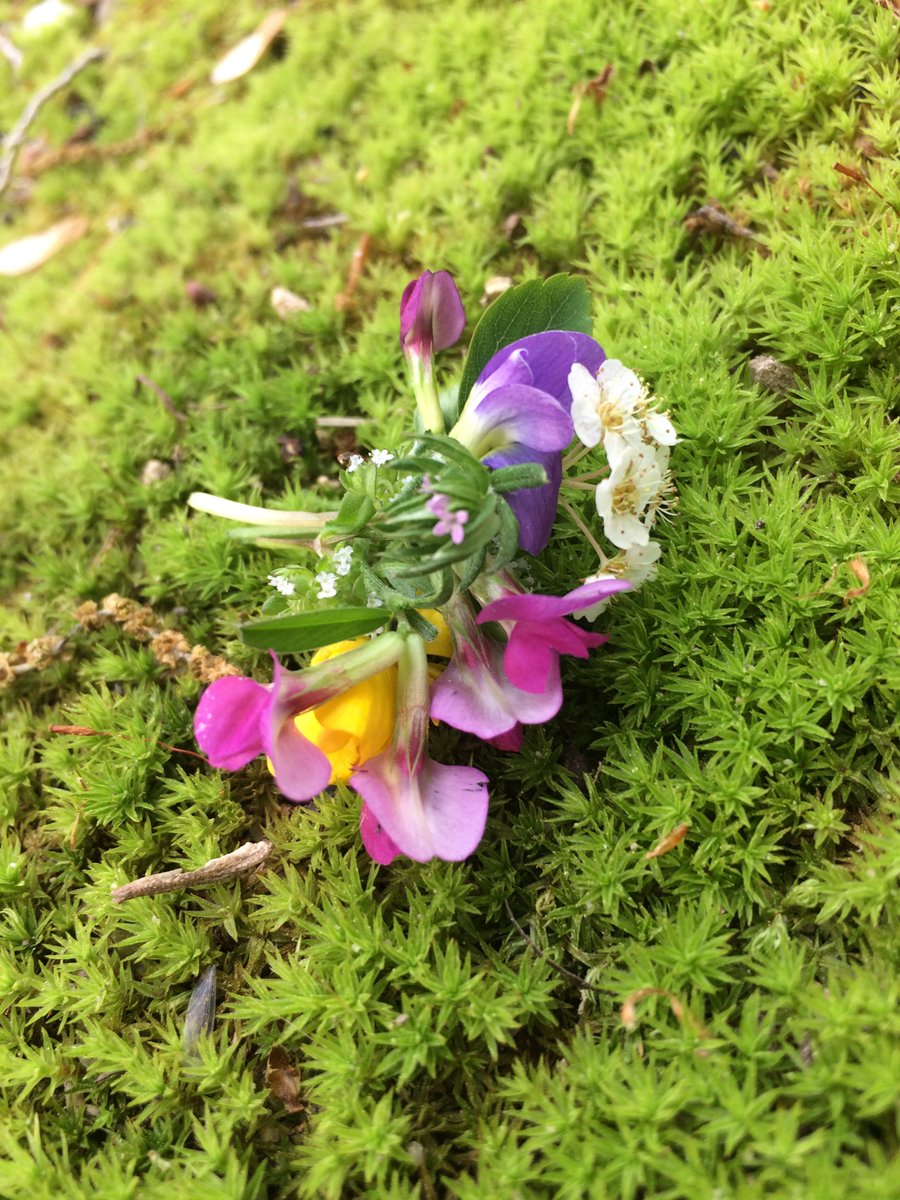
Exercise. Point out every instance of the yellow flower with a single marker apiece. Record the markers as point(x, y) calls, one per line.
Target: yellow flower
point(358, 724)
point(355, 726)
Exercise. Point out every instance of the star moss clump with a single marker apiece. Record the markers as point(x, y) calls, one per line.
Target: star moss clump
point(458, 1029)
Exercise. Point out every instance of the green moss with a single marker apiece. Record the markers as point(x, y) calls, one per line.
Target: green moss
point(440, 1053)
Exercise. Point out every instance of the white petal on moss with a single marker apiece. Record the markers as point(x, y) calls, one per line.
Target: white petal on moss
point(585, 399)
point(246, 54)
point(660, 428)
point(29, 253)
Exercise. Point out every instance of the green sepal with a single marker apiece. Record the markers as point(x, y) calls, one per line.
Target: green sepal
point(278, 533)
point(560, 302)
point(421, 625)
point(515, 478)
point(309, 630)
point(508, 536)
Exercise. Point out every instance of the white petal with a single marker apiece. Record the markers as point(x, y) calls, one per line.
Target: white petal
point(625, 530)
point(585, 396)
point(619, 384)
point(661, 428)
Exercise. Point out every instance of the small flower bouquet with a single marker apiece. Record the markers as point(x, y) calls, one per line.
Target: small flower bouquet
point(416, 612)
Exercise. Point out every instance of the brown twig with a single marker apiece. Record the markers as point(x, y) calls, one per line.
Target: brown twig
point(345, 299)
point(582, 983)
point(164, 398)
point(86, 731)
point(14, 140)
point(239, 862)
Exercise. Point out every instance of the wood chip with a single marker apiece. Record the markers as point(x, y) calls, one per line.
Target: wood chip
point(287, 304)
point(239, 862)
point(494, 287)
point(242, 58)
point(29, 253)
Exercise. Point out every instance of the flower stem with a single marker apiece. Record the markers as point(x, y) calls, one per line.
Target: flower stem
point(230, 510)
point(575, 456)
point(584, 529)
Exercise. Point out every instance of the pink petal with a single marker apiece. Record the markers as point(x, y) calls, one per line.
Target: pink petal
point(528, 607)
point(301, 769)
point(511, 740)
point(475, 695)
point(229, 720)
point(528, 660)
point(380, 847)
point(438, 812)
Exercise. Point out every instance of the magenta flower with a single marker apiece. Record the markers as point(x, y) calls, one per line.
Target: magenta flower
point(475, 694)
point(411, 804)
point(238, 719)
point(539, 633)
point(432, 316)
point(519, 411)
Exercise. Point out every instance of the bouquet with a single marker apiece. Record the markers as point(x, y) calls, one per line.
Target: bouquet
point(411, 593)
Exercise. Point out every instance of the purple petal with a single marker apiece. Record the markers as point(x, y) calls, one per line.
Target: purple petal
point(380, 847)
point(301, 769)
point(437, 812)
point(229, 721)
point(550, 357)
point(531, 607)
point(432, 316)
point(473, 694)
point(534, 508)
point(528, 659)
point(523, 415)
point(511, 740)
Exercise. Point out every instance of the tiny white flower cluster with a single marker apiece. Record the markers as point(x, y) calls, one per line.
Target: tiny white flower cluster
point(282, 585)
point(343, 559)
point(378, 458)
point(614, 409)
point(327, 581)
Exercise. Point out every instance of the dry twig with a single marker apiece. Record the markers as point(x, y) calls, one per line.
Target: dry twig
point(239, 862)
point(13, 141)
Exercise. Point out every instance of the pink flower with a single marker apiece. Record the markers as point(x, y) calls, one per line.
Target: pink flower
point(451, 522)
point(432, 316)
point(413, 805)
point(475, 694)
point(539, 633)
point(238, 719)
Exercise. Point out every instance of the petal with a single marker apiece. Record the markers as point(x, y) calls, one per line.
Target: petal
point(431, 313)
point(229, 720)
point(301, 770)
point(519, 414)
point(380, 847)
point(526, 606)
point(528, 659)
point(534, 508)
point(448, 317)
point(511, 740)
point(438, 812)
point(475, 696)
point(550, 357)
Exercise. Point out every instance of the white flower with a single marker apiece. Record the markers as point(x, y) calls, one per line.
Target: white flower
point(280, 584)
point(603, 409)
point(326, 581)
point(637, 564)
point(374, 602)
point(343, 559)
point(380, 457)
point(635, 484)
point(660, 428)
point(354, 461)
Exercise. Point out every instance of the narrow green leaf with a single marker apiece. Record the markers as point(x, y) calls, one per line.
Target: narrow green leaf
point(309, 630)
point(560, 302)
point(354, 513)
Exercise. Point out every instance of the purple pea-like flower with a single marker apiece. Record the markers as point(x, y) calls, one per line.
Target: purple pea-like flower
point(432, 316)
point(519, 411)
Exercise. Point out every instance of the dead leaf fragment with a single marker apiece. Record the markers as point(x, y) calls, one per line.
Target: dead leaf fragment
point(861, 571)
point(711, 218)
point(669, 842)
point(242, 58)
point(283, 1080)
point(771, 375)
point(595, 88)
point(628, 1011)
point(287, 303)
point(494, 287)
point(29, 253)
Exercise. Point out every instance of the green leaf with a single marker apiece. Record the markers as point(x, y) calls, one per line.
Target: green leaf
point(355, 512)
point(309, 630)
point(560, 302)
point(522, 475)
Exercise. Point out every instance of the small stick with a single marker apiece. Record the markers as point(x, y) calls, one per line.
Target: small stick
point(344, 299)
point(86, 731)
point(582, 983)
point(239, 862)
point(164, 397)
point(16, 136)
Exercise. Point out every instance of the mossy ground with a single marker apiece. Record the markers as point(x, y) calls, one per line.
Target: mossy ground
point(441, 1054)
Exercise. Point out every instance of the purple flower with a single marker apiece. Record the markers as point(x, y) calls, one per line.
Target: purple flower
point(238, 719)
point(539, 632)
point(519, 411)
point(475, 694)
point(432, 316)
point(413, 805)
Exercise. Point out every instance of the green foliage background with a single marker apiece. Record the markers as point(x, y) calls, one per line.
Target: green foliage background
point(440, 1054)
